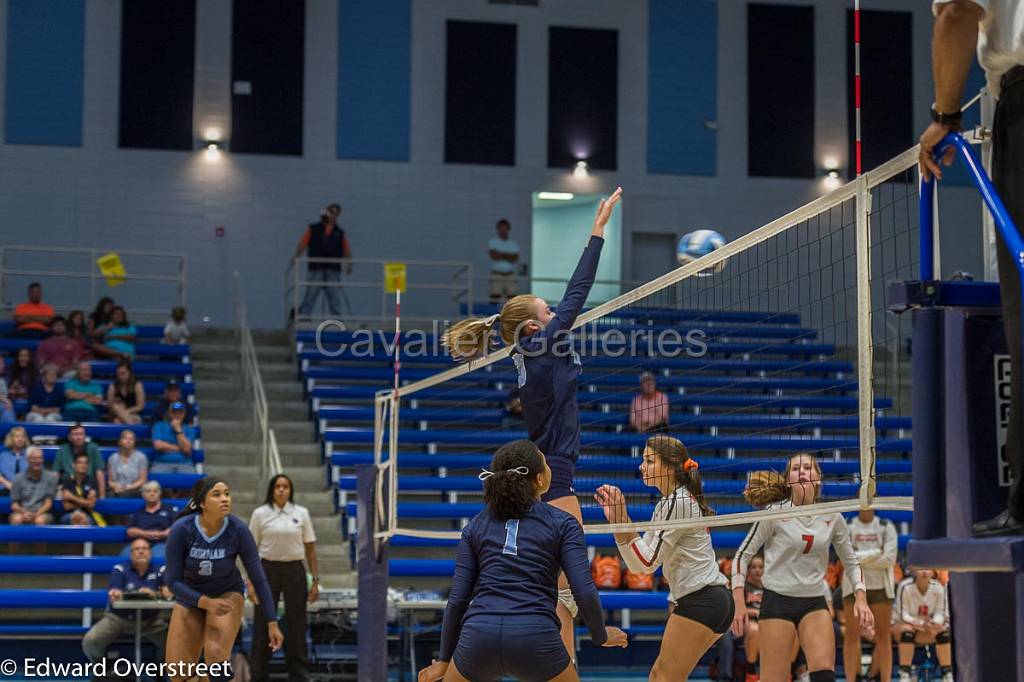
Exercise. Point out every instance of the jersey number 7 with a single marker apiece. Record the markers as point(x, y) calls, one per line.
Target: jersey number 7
point(809, 539)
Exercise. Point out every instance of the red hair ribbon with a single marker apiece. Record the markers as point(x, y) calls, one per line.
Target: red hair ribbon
point(691, 465)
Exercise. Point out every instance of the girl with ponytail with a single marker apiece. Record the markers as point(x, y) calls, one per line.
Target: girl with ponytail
point(500, 620)
point(202, 548)
point(702, 607)
point(548, 372)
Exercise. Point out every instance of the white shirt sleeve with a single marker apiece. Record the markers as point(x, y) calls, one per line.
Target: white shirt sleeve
point(256, 525)
point(844, 548)
point(907, 614)
point(983, 4)
point(939, 617)
point(646, 553)
point(308, 535)
point(755, 539)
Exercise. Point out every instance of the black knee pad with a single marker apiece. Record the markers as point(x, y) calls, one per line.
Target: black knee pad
point(943, 637)
point(907, 637)
point(823, 676)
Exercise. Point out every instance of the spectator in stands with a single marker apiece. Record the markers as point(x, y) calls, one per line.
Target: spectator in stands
point(324, 239)
point(13, 458)
point(649, 410)
point(504, 255)
point(118, 337)
point(63, 463)
point(125, 396)
point(46, 400)
point(127, 468)
point(33, 492)
point(172, 440)
point(6, 406)
point(78, 330)
point(32, 318)
point(59, 349)
point(78, 495)
point(99, 319)
point(22, 375)
point(138, 575)
point(176, 331)
point(513, 409)
point(83, 396)
point(172, 394)
point(153, 522)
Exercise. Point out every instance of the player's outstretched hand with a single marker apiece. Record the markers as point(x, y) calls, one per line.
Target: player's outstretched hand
point(434, 672)
point(615, 637)
point(604, 212)
point(864, 615)
point(739, 621)
point(276, 639)
point(613, 502)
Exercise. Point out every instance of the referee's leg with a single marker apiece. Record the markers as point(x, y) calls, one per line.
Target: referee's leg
point(259, 651)
point(295, 594)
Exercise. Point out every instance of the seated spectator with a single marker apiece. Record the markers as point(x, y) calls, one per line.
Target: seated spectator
point(172, 441)
point(60, 349)
point(22, 375)
point(649, 410)
point(923, 618)
point(79, 331)
point(32, 318)
point(513, 409)
point(99, 320)
point(126, 468)
point(83, 396)
point(46, 400)
point(78, 495)
point(172, 394)
point(13, 459)
point(153, 522)
point(118, 337)
point(63, 463)
point(33, 492)
point(6, 406)
point(176, 331)
point(125, 396)
point(138, 575)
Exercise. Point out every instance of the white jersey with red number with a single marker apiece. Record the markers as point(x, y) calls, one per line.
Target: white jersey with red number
point(875, 544)
point(916, 608)
point(796, 553)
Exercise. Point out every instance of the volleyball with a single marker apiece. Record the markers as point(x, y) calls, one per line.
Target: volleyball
point(697, 244)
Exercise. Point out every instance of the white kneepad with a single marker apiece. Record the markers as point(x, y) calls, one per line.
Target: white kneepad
point(565, 598)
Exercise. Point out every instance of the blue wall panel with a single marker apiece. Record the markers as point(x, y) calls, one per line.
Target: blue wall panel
point(682, 72)
point(43, 98)
point(374, 62)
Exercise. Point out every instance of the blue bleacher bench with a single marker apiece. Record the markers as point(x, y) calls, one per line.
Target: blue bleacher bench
point(65, 565)
point(23, 406)
point(63, 534)
point(142, 331)
point(156, 350)
point(106, 451)
point(118, 506)
point(94, 430)
point(53, 599)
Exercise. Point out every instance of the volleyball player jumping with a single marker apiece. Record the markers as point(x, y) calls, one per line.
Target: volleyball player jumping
point(796, 558)
point(202, 548)
point(500, 620)
point(548, 372)
point(703, 607)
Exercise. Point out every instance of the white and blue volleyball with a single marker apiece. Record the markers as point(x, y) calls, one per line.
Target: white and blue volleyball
point(697, 244)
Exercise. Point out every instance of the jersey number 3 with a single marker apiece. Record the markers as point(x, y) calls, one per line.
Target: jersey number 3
point(809, 539)
point(511, 533)
point(205, 568)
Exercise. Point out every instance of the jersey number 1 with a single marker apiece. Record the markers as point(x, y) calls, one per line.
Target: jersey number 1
point(511, 533)
point(809, 539)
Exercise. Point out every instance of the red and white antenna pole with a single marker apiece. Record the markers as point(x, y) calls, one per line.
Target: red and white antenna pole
point(856, 82)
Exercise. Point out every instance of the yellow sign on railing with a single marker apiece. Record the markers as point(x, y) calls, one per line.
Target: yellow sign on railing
point(394, 277)
point(112, 268)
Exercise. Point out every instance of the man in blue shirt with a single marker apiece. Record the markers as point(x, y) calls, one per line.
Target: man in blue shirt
point(83, 396)
point(138, 575)
point(153, 522)
point(172, 441)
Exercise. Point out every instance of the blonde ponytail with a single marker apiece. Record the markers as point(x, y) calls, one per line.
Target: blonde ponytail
point(474, 337)
point(766, 487)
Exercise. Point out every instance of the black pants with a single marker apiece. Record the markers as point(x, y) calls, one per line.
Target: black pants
point(287, 578)
point(1008, 177)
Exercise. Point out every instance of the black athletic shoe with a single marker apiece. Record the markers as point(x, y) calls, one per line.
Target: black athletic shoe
point(1002, 524)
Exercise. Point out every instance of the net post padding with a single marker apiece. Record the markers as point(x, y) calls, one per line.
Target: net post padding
point(865, 362)
point(385, 504)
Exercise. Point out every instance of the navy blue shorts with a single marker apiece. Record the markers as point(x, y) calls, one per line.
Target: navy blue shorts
point(563, 470)
point(528, 648)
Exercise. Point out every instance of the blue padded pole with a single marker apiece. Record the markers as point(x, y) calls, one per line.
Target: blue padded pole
point(372, 564)
point(928, 408)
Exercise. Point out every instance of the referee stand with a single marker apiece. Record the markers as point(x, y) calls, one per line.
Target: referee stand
point(960, 398)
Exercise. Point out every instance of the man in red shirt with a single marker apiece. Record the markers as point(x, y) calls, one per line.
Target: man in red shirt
point(60, 349)
point(32, 318)
point(649, 410)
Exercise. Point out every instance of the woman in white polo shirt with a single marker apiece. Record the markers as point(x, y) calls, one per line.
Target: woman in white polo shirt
point(284, 536)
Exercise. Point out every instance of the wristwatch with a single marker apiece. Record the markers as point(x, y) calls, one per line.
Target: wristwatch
point(953, 119)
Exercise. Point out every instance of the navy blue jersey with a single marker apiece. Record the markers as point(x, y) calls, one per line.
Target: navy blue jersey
point(549, 367)
point(199, 565)
point(124, 577)
point(161, 519)
point(510, 568)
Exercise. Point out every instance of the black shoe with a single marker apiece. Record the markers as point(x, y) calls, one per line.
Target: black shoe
point(1002, 524)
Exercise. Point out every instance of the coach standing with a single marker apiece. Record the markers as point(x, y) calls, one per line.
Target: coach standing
point(284, 536)
point(996, 28)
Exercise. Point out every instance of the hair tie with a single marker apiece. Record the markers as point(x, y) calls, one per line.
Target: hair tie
point(691, 465)
point(492, 319)
point(485, 474)
point(521, 470)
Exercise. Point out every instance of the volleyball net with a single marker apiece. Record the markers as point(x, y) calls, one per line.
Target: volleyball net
point(776, 344)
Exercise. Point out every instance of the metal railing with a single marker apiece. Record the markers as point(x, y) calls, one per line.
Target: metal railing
point(435, 290)
point(268, 457)
point(154, 281)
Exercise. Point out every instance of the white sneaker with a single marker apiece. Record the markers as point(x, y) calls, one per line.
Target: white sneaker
point(948, 677)
point(904, 676)
point(806, 677)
